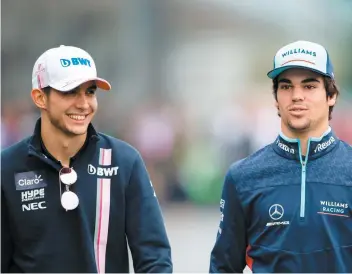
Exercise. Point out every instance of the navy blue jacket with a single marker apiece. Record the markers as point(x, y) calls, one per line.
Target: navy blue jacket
point(282, 212)
point(117, 204)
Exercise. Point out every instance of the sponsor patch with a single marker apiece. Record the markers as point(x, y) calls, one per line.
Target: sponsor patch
point(333, 208)
point(33, 194)
point(30, 180)
point(276, 212)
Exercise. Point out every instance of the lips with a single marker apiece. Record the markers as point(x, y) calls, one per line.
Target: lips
point(297, 108)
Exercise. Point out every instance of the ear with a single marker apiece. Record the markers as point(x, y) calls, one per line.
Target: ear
point(332, 100)
point(277, 105)
point(278, 108)
point(39, 98)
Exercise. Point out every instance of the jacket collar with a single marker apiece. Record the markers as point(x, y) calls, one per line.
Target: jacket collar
point(36, 146)
point(317, 147)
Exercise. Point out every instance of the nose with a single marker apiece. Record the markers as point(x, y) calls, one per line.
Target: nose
point(82, 101)
point(297, 94)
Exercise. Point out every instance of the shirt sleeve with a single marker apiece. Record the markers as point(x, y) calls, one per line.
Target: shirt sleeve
point(145, 229)
point(229, 252)
point(6, 241)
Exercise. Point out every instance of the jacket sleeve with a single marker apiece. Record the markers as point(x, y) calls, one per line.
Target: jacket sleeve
point(229, 252)
point(6, 241)
point(145, 229)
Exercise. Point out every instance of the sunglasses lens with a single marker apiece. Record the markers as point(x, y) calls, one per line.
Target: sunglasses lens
point(69, 200)
point(68, 176)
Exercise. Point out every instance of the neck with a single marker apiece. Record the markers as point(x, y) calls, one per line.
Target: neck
point(60, 145)
point(304, 136)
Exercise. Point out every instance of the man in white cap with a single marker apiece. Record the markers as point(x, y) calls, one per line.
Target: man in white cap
point(288, 207)
point(71, 198)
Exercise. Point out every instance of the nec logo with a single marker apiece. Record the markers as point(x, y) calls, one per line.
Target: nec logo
point(30, 180)
point(34, 206)
point(75, 62)
point(102, 171)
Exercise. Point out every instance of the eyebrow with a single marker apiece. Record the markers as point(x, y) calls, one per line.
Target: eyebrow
point(308, 80)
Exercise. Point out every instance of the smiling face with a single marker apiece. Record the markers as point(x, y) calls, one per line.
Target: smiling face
point(71, 112)
point(302, 102)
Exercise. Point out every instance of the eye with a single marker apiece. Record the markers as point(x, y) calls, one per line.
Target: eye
point(309, 87)
point(91, 92)
point(285, 87)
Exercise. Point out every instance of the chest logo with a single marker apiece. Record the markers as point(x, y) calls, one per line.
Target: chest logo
point(30, 180)
point(276, 212)
point(102, 171)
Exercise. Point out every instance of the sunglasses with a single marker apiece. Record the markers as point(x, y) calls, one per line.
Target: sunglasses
point(69, 199)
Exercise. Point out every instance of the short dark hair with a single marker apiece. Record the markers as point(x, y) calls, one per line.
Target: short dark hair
point(46, 90)
point(330, 88)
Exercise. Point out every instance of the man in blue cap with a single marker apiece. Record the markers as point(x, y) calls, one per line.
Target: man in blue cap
point(287, 207)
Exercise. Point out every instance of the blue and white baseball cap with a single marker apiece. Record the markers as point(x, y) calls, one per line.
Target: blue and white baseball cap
point(65, 68)
point(302, 54)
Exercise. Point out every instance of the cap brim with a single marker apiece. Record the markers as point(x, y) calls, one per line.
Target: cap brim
point(69, 85)
point(276, 72)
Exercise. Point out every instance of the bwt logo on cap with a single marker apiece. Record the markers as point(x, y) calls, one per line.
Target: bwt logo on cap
point(75, 61)
point(30, 180)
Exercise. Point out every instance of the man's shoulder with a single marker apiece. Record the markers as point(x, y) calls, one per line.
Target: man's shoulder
point(253, 161)
point(260, 162)
point(344, 152)
point(15, 150)
point(13, 156)
point(345, 146)
point(121, 148)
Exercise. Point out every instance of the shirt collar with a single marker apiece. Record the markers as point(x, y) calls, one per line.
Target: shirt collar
point(37, 144)
point(317, 147)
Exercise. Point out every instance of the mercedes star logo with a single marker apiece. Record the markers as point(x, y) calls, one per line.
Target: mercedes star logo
point(276, 212)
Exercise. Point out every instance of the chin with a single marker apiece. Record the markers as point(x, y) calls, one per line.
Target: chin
point(77, 130)
point(299, 126)
point(77, 133)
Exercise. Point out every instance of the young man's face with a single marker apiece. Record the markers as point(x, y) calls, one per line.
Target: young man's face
point(71, 112)
point(302, 101)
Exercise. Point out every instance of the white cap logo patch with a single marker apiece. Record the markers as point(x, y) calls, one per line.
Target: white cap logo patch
point(64, 68)
point(302, 54)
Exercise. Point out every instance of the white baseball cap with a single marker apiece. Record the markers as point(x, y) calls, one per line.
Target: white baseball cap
point(64, 68)
point(302, 54)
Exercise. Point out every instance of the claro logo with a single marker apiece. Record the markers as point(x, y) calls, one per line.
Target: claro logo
point(102, 171)
point(29, 182)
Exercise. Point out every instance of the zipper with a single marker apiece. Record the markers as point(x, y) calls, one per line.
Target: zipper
point(303, 191)
point(303, 180)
